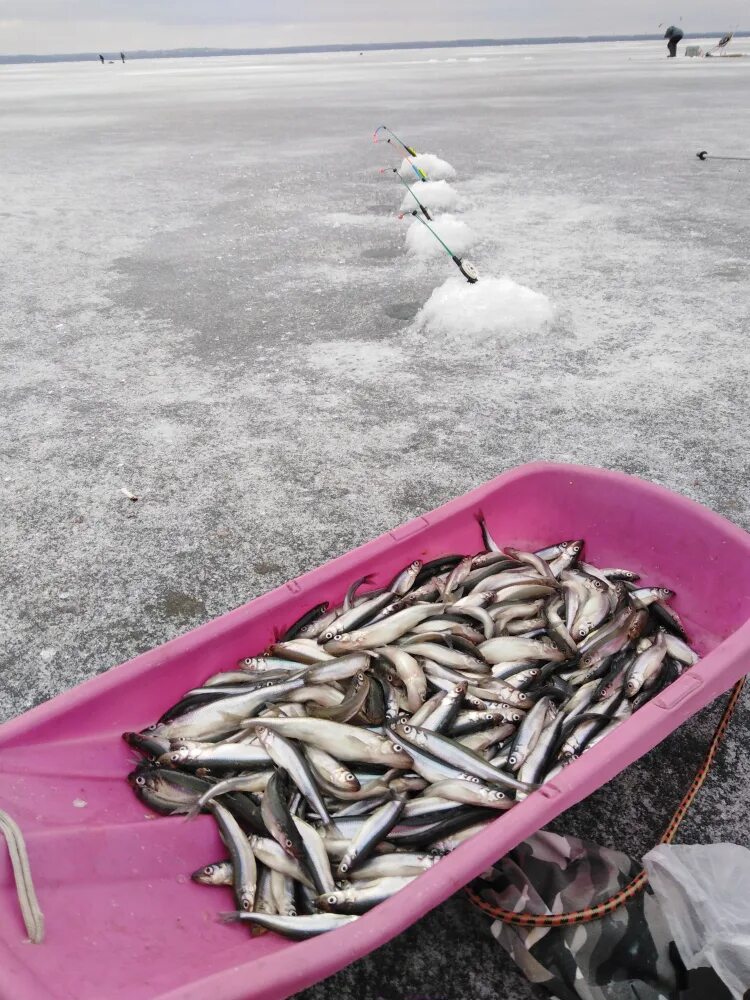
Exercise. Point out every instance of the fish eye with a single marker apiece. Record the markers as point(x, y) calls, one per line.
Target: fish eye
point(522, 696)
point(245, 904)
point(288, 842)
point(349, 776)
point(343, 867)
point(174, 757)
point(208, 870)
point(140, 780)
point(397, 747)
point(331, 899)
point(407, 728)
point(512, 759)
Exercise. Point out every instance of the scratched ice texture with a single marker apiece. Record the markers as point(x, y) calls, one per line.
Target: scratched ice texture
point(206, 301)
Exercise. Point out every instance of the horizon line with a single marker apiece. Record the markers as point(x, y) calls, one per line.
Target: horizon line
point(210, 51)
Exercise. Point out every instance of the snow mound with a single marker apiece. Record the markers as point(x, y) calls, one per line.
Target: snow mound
point(436, 196)
point(422, 244)
point(491, 306)
point(431, 165)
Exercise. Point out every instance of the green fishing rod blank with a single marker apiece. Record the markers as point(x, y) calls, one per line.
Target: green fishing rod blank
point(465, 267)
point(408, 187)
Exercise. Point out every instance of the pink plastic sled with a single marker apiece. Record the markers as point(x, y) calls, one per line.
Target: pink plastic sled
point(123, 920)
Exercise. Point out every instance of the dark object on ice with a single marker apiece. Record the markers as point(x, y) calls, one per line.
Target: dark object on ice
point(122, 56)
point(721, 44)
point(674, 35)
point(705, 155)
point(101, 58)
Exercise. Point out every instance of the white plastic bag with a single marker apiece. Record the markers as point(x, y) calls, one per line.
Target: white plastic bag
point(704, 893)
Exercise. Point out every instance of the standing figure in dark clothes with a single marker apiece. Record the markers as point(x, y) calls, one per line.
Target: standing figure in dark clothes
point(122, 56)
point(673, 36)
point(101, 58)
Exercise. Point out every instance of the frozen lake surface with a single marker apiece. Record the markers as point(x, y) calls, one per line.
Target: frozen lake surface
point(207, 300)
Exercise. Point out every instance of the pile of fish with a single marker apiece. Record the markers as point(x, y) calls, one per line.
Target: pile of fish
point(373, 738)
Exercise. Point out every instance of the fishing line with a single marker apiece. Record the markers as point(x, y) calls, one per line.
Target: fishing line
point(703, 155)
point(408, 187)
point(468, 270)
point(640, 881)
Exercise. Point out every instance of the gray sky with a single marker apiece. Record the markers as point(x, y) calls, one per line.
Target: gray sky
point(43, 26)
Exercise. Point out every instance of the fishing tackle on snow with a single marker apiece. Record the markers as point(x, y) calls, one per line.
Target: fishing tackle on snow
point(408, 187)
point(409, 152)
point(704, 155)
point(465, 267)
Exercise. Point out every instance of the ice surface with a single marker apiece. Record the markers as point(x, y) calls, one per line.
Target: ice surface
point(205, 297)
point(432, 166)
point(453, 232)
point(437, 196)
point(492, 309)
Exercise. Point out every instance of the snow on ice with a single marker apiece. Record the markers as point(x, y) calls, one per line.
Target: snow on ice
point(436, 196)
point(431, 165)
point(456, 234)
point(491, 306)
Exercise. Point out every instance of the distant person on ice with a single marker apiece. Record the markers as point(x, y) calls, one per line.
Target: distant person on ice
point(673, 36)
point(101, 58)
point(122, 56)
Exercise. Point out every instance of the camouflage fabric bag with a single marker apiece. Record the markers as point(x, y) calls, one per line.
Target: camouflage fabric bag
point(623, 956)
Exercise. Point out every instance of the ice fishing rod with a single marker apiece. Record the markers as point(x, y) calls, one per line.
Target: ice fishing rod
point(384, 128)
point(408, 151)
point(703, 155)
point(468, 270)
point(408, 187)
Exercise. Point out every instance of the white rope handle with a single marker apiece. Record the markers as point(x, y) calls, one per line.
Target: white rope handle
point(32, 914)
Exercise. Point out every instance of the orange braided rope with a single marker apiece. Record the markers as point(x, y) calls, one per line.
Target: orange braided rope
point(639, 882)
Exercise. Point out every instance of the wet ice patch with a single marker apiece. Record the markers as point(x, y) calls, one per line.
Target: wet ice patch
point(373, 216)
point(356, 359)
point(492, 306)
point(431, 165)
point(453, 232)
point(436, 196)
